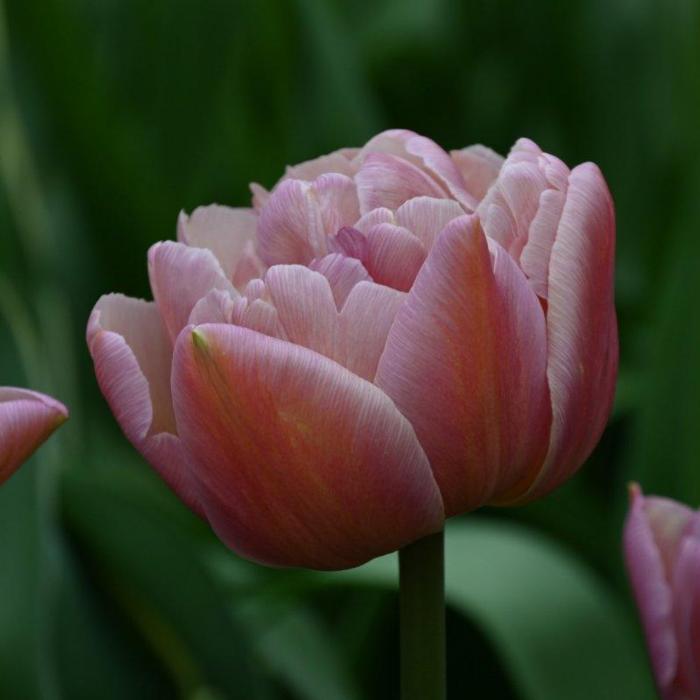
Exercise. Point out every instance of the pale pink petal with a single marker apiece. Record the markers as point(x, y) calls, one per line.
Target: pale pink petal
point(27, 419)
point(297, 220)
point(385, 180)
point(465, 363)
point(686, 598)
point(349, 242)
point(306, 307)
point(651, 589)
point(180, 276)
point(260, 196)
point(479, 167)
point(337, 162)
point(342, 273)
point(248, 267)
point(364, 325)
point(302, 462)
point(517, 192)
point(215, 307)
point(423, 153)
point(581, 328)
point(668, 521)
point(381, 215)
point(394, 256)
point(227, 232)
point(425, 217)
point(132, 356)
point(257, 315)
point(535, 256)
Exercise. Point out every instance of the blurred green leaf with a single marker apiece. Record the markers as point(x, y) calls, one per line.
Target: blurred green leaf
point(154, 570)
point(560, 631)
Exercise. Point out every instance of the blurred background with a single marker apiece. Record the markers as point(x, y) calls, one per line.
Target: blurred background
point(116, 115)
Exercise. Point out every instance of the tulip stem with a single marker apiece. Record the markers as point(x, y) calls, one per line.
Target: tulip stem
point(422, 609)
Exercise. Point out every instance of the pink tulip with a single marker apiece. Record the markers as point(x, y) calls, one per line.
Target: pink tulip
point(390, 336)
point(662, 551)
point(27, 418)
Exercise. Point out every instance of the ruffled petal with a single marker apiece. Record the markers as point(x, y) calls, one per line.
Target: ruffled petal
point(180, 276)
point(229, 233)
point(299, 216)
point(27, 419)
point(302, 462)
point(425, 217)
point(132, 357)
point(394, 256)
point(465, 363)
point(385, 180)
point(581, 327)
point(342, 273)
point(479, 167)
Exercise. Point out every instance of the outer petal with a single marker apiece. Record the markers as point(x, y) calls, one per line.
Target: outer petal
point(581, 328)
point(465, 363)
point(132, 357)
point(336, 162)
point(303, 463)
point(479, 167)
point(27, 419)
point(180, 276)
point(652, 590)
point(223, 230)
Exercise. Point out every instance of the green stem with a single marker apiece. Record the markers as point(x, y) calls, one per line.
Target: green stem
point(422, 604)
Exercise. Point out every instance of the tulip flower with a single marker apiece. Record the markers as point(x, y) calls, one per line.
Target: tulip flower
point(391, 336)
point(27, 419)
point(662, 552)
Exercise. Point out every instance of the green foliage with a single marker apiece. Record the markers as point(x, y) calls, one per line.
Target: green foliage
point(113, 117)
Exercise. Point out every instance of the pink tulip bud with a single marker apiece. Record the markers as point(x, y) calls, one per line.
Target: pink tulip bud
point(390, 336)
point(662, 552)
point(27, 418)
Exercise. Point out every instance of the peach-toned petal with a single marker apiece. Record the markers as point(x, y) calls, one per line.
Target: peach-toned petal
point(479, 167)
point(226, 231)
point(180, 276)
point(132, 357)
point(465, 363)
point(302, 463)
point(581, 328)
point(27, 419)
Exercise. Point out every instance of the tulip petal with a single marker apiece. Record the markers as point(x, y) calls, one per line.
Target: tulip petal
point(180, 276)
point(385, 180)
point(27, 419)
point(686, 597)
point(479, 167)
point(299, 216)
point(465, 363)
point(342, 273)
point(651, 589)
point(581, 327)
point(394, 256)
point(132, 357)
point(425, 217)
point(303, 463)
point(223, 230)
point(336, 162)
